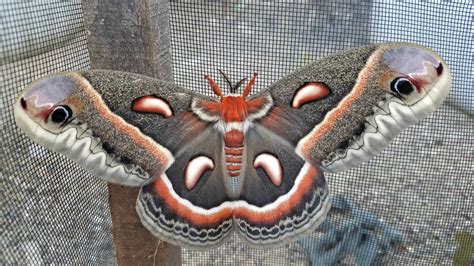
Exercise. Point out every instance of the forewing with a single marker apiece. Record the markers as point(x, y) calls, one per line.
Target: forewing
point(344, 109)
point(123, 127)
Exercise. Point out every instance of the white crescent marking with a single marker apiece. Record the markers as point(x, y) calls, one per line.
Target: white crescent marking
point(195, 169)
point(152, 104)
point(271, 165)
point(309, 92)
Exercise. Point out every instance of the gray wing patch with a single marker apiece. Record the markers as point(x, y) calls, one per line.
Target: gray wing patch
point(210, 190)
point(257, 188)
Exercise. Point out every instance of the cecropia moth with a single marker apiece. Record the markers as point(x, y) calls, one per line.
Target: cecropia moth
point(209, 166)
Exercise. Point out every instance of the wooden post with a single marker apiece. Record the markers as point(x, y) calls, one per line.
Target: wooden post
point(133, 36)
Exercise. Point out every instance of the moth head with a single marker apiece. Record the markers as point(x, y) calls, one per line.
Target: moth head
point(233, 107)
point(410, 72)
point(49, 103)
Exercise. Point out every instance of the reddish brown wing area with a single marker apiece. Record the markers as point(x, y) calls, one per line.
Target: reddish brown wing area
point(256, 105)
point(207, 110)
point(189, 126)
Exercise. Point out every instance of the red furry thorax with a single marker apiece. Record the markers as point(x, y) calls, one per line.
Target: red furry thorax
point(233, 108)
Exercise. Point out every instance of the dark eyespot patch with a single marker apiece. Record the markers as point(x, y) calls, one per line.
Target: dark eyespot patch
point(111, 151)
point(125, 160)
point(23, 103)
point(359, 130)
point(343, 145)
point(61, 113)
point(402, 86)
point(107, 148)
point(439, 69)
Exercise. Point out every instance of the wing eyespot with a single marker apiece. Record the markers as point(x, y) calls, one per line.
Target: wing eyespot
point(402, 86)
point(23, 103)
point(61, 114)
point(439, 69)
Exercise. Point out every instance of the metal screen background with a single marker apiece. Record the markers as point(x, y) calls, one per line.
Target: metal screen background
point(421, 185)
point(53, 211)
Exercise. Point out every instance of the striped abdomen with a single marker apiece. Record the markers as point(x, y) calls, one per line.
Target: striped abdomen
point(233, 150)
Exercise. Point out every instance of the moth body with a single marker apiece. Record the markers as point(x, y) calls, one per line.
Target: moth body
point(233, 151)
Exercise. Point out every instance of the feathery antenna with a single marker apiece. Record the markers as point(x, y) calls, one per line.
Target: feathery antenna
point(228, 81)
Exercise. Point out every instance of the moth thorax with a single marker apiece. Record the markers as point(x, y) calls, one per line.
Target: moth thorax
point(233, 108)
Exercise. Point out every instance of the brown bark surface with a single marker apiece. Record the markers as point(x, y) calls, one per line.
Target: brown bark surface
point(131, 36)
point(134, 244)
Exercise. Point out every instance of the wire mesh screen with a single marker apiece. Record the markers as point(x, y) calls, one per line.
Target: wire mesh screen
point(407, 205)
point(53, 211)
point(412, 204)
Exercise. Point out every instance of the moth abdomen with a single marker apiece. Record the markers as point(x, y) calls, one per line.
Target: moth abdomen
point(233, 151)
